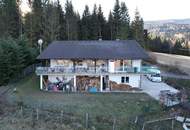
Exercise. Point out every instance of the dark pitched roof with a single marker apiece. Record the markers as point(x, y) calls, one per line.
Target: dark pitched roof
point(122, 49)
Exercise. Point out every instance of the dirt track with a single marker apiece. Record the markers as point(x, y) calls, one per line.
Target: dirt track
point(182, 62)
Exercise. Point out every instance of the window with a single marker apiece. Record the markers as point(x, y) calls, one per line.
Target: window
point(127, 79)
point(124, 79)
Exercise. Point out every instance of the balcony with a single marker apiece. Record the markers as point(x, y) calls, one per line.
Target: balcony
point(70, 70)
point(126, 70)
point(90, 70)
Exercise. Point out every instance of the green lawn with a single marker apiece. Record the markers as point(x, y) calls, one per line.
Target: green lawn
point(102, 108)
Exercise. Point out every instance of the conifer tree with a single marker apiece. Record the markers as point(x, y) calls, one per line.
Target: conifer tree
point(62, 22)
point(10, 18)
point(111, 25)
point(94, 24)
point(71, 21)
point(37, 21)
point(101, 23)
point(125, 21)
point(137, 27)
point(85, 24)
point(117, 18)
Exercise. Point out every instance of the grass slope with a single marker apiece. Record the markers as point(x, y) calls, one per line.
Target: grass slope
point(102, 108)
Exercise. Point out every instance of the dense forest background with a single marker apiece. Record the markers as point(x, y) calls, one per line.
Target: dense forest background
point(50, 21)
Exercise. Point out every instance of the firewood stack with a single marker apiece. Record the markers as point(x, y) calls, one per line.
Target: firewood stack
point(119, 87)
point(84, 82)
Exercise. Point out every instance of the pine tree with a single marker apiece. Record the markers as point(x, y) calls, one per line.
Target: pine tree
point(137, 28)
point(94, 32)
point(62, 22)
point(117, 19)
point(85, 24)
point(11, 22)
point(51, 23)
point(37, 21)
point(177, 48)
point(71, 21)
point(125, 21)
point(111, 26)
point(101, 23)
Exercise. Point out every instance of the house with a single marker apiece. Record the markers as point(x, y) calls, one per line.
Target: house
point(91, 65)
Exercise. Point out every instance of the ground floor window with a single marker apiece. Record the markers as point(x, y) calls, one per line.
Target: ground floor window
point(124, 79)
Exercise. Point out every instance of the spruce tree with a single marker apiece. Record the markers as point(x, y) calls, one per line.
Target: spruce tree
point(37, 21)
point(117, 19)
point(94, 24)
point(11, 22)
point(71, 21)
point(51, 27)
point(85, 24)
point(62, 22)
point(101, 23)
point(137, 27)
point(111, 25)
point(125, 21)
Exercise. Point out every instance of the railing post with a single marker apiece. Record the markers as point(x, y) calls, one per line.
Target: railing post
point(75, 84)
point(41, 82)
point(101, 84)
point(95, 65)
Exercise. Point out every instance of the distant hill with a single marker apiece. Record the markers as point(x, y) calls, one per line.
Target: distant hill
point(172, 21)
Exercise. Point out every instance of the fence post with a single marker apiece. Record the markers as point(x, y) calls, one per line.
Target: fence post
point(61, 116)
point(114, 122)
point(37, 114)
point(86, 121)
point(143, 125)
point(172, 124)
point(21, 111)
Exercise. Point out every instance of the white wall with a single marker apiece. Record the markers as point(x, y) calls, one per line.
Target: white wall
point(111, 66)
point(134, 80)
point(53, 63)
point(137, 63)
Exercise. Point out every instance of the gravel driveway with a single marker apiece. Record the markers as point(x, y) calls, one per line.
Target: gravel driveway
point(153, 88)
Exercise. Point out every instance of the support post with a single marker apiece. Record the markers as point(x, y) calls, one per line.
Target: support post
point(140, 83)
point(107, 65)
point(123, 65)
point(75, 84)
point(74, 65)
point(101, 84)
point(41, 82)
point(95, 65)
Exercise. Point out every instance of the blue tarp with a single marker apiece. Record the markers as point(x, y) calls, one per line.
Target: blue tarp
point(93, 90)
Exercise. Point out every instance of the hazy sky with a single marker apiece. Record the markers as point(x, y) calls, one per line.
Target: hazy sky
point(149, 9)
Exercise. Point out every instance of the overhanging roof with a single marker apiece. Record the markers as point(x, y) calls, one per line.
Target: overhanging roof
point(122, 49)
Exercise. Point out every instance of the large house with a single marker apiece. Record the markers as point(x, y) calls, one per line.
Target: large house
point(91, 65)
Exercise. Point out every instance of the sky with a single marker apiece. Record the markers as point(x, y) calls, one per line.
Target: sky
point(150, 10)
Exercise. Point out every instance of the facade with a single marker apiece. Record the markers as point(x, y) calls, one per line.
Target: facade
point(91, 66)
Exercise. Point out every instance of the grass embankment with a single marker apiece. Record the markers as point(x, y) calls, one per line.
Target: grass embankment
point(102, 108)
point(180, 84)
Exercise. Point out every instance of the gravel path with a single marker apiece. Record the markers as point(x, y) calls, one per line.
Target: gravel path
point(153, 88)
